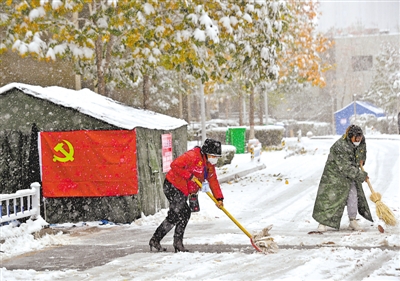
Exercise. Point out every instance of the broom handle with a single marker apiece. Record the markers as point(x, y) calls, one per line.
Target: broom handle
point(369, 184)
point(224, 210)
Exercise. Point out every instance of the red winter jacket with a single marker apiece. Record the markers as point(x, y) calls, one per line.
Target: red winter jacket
point(193, 162)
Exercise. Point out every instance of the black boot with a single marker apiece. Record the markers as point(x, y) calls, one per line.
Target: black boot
point(178, 245)
point(159, 234)
point(154, 242)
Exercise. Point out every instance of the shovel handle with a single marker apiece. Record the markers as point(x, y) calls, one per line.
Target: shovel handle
point(367, 180)
point(225, 211)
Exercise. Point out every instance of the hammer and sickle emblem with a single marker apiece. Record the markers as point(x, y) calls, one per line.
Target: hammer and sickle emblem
point(68, 156)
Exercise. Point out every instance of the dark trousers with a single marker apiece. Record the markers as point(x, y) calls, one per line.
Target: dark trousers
point(178, 213)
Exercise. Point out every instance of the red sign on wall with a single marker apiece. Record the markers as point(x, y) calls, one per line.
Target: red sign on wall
point(166, 142)
point(88, 163)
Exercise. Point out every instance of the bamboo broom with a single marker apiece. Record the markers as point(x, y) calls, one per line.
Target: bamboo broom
point(382, 211)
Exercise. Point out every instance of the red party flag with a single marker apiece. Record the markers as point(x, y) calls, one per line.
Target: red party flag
point(88, 163)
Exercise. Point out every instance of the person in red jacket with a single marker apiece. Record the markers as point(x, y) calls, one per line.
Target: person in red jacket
point(197, 163)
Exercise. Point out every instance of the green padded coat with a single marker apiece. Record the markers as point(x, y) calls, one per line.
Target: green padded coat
point(341, 169)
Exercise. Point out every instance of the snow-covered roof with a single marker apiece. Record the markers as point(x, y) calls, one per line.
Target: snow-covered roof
point(100, 107)
point(366, 105)
point(371, 107)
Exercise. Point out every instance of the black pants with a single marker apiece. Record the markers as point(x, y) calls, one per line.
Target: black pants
point(178, 213)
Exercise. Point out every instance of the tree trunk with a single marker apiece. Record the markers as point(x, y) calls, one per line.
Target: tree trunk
point(203, 112)
point(108, 58)
point(189, 109)
point(180, 105)
point(266, 107)
point(251, 114)
point(241, 109)
point(146, 91)
point(260, 109)
point(207, 108)
point(227, 107)
point(101, 83)
point(333, 116)
point(196, 109)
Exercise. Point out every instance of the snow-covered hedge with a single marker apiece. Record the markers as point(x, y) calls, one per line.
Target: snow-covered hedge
point(371, 124)
point(268, 135)
point(316, 128)
point(228, 152)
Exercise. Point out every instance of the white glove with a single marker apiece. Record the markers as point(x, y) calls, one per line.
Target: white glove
point(205, 187)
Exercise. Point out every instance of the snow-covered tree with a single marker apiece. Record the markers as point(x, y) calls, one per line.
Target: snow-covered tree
point(256, 28)
point(92, 34)
point(385, 87)
point(296, 54)
point(300, 61)
point(116, 43)
point(303, 59)
point(229, 37)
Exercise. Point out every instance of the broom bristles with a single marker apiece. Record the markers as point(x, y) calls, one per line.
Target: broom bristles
point(375, 197)
point(385, 214)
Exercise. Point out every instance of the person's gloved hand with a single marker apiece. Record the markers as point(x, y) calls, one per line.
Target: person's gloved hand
point(205, 187)
point(194, 178)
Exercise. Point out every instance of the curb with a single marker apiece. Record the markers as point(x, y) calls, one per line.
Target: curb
point(241, 173)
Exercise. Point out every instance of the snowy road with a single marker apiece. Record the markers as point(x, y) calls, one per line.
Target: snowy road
point(283, 194)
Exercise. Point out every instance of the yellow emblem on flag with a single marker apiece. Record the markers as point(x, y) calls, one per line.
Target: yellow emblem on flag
point(68, 155)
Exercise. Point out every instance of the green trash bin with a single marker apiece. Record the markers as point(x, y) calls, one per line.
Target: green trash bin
point(237, 138)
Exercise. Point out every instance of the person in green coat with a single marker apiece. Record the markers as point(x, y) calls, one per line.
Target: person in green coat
point(341, 182)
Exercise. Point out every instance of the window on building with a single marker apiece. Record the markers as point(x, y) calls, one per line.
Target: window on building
point(361, 63)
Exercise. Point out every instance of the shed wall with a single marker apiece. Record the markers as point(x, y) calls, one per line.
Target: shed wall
point(18, 113)
point(151, 195)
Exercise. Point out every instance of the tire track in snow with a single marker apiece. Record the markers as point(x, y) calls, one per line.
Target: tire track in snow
point(374, 261)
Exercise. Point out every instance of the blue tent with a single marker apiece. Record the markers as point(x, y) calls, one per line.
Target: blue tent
point(342, 116)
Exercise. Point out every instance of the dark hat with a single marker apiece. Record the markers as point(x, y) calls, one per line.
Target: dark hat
point(212, 147)
point(354, 131)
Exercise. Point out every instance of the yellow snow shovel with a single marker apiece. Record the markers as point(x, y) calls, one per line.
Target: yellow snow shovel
point(260, 241)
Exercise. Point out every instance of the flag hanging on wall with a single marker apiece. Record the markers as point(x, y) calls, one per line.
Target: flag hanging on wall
point(88, 163)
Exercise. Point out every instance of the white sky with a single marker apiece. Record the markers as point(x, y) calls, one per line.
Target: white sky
point(382, 14)
point(256, 201)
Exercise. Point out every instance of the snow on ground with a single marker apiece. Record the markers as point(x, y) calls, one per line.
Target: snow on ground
point(283, 195)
